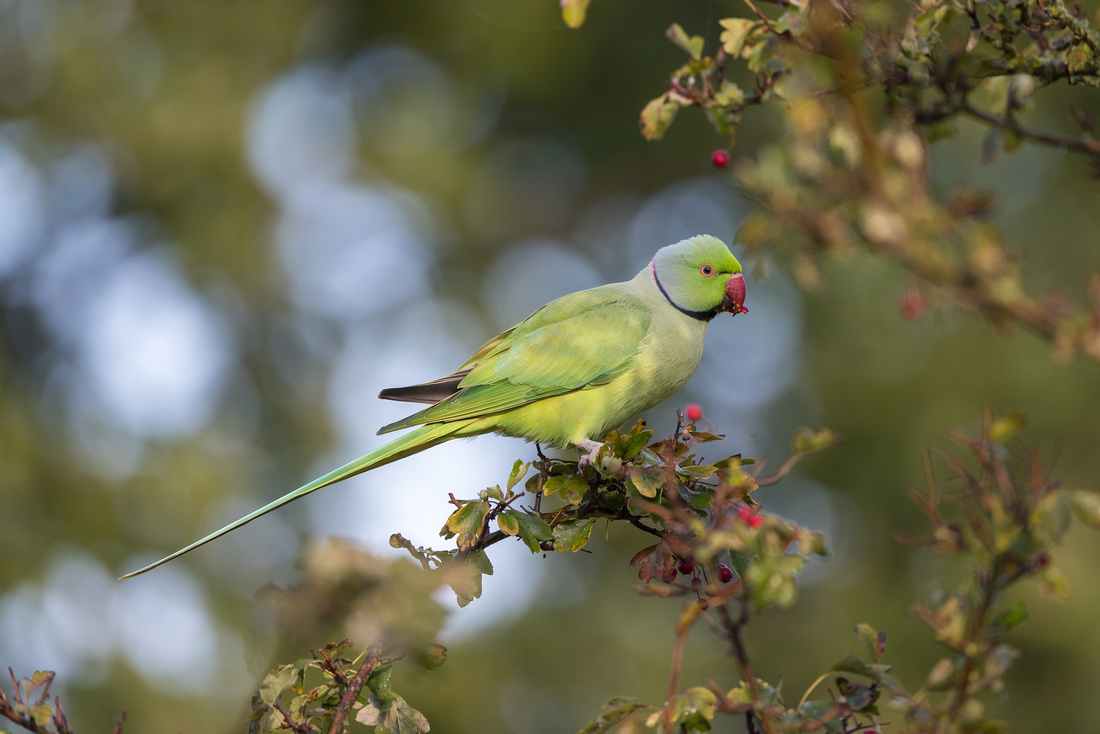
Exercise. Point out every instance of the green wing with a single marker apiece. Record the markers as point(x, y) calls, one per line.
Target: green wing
point(582, 339)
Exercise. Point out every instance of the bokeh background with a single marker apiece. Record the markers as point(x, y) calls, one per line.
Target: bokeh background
point(224, 226)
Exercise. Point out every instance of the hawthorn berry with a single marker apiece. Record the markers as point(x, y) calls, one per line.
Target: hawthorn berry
point(685, 566)
point(911, 304)
point(720, 158)
point(693, 412)
point(725, 573)
point(748, 516)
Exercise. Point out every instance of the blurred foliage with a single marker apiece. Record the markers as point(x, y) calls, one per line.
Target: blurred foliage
point(868, 136)
point(864, 93)
point(999, 508)
point(30, 706)
point(698, 511)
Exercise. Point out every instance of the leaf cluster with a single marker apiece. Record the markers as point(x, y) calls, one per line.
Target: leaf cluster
point(992, 503)
point(864, 90)
point(318, 694)
point(999, 509)
point(31, 708)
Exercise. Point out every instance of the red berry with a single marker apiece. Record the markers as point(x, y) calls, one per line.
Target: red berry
point(720, 158)
point(911, 304)
point(685, 566)
point(748, 516)
point(725, 573)
point(693, 412)
point(1043, 561)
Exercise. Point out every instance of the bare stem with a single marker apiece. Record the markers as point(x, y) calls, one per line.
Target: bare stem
point(339, 722)
point(735, 630)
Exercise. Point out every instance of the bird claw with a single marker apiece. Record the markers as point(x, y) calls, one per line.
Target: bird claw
point(593, 449)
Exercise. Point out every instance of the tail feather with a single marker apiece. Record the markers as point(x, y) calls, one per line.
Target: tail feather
point(407, 445)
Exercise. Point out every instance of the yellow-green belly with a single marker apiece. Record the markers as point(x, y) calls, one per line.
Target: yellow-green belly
point(666, 360)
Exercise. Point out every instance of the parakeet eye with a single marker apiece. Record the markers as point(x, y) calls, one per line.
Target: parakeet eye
point(707, 270)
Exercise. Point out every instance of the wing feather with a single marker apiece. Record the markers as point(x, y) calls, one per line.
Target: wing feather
point(580, 340)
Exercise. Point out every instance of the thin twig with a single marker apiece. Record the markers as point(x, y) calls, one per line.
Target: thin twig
point(1081, 144)
point(339, 722)
point(298, 727)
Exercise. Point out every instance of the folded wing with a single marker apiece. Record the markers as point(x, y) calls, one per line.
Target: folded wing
point(580, 340)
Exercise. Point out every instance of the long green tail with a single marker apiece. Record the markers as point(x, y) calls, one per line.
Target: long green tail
point(409, 444)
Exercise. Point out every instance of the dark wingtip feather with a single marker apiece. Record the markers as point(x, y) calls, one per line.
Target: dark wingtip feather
point(426, 392)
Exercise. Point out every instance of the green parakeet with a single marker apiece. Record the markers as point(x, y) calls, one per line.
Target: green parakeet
point(569, 372)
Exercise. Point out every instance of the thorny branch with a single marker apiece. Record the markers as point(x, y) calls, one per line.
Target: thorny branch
point(339, 721)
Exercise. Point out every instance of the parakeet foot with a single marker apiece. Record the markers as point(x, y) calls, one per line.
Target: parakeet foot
point(593, 449)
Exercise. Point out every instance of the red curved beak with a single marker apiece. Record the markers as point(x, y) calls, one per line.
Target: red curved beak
point(734, 301)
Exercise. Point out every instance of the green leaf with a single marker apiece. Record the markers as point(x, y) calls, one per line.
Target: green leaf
point(735, 31)
point(41, 713)
point(1013, 616)
point(39, 679)
point(464, 574)
point(519, 471)
point(467, 523)
point(657, 116)
point(396, 718)
point(379, 683)
point(1086, 505)
point(432, 656)
point(1006, 426)
point(697, 472)
point(692, 44)
point(859, 696)
point(554, 484)
point(875, 642)
point(574, 489)
point(1049, 519)
point(637, 441)
point(741, 562)
point(1078, 58)
point(572, 535)
point(811, 542)
point(1053, 584)
point(693, 709)
point(806, 440)
point(531, 528)
point(699, 496)
point(573, 12)
point(491, 493)
point(813, 710)
point(615, 712)
point(878, 672)
point(611, 501)
point(277, 681)
point(648, 481)
point(706, 437)
point(508, 523)
point(771, 580)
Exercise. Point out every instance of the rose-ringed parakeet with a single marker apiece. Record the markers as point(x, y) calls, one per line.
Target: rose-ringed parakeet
point(569, 372)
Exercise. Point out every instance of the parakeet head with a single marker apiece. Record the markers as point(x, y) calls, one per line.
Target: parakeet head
point(700, 277)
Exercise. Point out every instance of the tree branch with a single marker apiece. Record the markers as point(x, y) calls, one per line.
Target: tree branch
point(339, 722)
